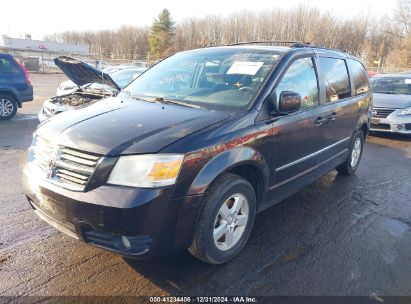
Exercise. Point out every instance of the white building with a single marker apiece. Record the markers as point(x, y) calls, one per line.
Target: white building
point(42, 51)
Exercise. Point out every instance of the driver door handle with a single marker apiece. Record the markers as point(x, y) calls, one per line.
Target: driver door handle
point(320, 120)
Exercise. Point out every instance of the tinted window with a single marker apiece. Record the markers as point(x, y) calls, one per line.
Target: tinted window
point(8, 66)
point(359, 76)
point(337, 83)
point(301, 78)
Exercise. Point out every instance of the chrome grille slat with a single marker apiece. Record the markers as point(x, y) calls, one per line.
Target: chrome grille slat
point(71, 178)
point(78, 160)
point(382, 112)
point(80, 154)
point(73, 167)
point(64, 166)
point(73, 174)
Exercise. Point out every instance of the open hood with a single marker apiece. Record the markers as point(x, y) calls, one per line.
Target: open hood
point(82, 73)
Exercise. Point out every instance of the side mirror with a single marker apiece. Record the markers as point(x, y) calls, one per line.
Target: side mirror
point(289, 102)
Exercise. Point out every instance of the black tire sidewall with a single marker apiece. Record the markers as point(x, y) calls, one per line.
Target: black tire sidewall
point(13, 113)
point(215, 200)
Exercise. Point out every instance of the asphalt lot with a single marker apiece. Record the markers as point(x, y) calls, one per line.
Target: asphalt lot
point(339, 236)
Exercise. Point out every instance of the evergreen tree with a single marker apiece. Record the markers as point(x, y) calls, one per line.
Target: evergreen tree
point(161, 35)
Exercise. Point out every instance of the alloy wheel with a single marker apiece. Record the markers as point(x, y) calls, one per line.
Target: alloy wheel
point(231, 221)
point(356, 152)
point(6, 107)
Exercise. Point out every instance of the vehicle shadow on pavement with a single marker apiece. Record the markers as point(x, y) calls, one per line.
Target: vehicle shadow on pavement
point(285, 239)
point(328, 239)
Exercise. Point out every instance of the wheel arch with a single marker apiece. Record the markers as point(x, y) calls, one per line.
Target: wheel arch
point(244, 161)
point(363, 126)
point(11, 93)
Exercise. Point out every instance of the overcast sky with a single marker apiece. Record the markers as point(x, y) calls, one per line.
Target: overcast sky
point(48, 16)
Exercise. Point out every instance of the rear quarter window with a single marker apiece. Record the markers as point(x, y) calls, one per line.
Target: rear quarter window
point(8, 66)
point(336, 79)
point(359, 76)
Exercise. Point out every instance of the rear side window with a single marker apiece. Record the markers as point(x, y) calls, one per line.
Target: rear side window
point(335, 74)
point(359, 76)
point(8, 66)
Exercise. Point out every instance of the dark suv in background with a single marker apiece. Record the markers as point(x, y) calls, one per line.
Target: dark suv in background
point(190, 151)
point(15, 86)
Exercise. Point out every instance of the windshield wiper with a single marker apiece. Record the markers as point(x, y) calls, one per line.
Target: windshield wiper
point(139, 97)
point(162, 100)
point(173, 101)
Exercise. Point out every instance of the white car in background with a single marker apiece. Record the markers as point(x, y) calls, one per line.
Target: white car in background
point(86, 86)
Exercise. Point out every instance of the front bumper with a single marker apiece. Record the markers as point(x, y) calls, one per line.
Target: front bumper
point(392, 123)
point(133, 222)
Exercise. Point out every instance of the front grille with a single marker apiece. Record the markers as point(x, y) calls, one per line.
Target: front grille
point(65, 166)
point(381, 112)
point(381, 126)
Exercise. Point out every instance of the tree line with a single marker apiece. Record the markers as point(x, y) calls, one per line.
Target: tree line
point(380, 42)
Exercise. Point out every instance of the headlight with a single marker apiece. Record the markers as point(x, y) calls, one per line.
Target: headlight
point(146, 171)
point(406, 111)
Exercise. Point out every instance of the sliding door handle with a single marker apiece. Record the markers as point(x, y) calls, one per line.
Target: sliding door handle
point(332, 116)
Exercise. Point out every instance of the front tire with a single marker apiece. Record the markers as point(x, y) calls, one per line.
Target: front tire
point(353, 160)
point(8, 107)
point(225, 220)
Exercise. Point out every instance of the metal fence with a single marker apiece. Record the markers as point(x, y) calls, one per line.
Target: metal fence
point(43, 61)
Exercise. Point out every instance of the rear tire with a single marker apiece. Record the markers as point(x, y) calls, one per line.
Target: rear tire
point(8, 107)
point(225, 221)
point(354, 157)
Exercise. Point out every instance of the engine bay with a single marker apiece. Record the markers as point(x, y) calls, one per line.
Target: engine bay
point(77, 99)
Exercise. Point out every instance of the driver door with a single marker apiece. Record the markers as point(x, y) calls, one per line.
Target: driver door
point(299, 137)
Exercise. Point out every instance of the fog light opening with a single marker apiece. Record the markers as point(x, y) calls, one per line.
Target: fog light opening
point(126, 242)
point(400, 127)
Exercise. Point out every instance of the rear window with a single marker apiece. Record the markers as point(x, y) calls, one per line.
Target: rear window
point(337, 82)
point(8, 66)
point(359, 76)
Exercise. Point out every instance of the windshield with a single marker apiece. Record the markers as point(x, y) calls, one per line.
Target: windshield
point(214, 78)
point(391, 85)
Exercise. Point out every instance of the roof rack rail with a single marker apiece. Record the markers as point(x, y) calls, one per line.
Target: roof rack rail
point(273, 42)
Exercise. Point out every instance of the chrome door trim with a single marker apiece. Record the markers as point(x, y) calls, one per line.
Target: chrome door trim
point(307, 171)
point(310, 155)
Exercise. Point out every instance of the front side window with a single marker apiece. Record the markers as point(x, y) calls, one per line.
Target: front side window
point(302, 79)
point(337, 82)
point(359, 76)
point(211, 78)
